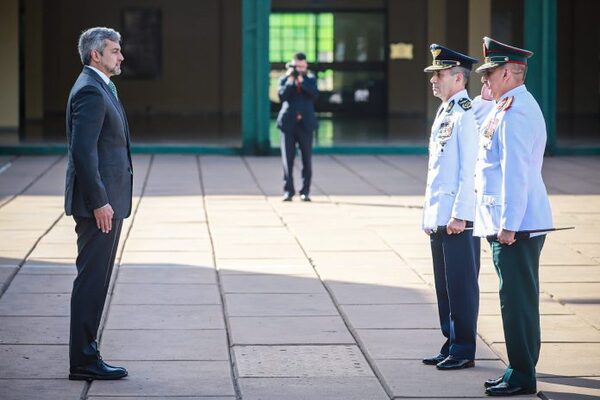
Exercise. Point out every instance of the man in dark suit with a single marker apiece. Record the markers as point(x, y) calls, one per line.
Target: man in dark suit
point(98, 193)
point(297, 122)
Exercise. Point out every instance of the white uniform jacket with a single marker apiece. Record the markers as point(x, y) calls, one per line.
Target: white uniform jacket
point(510, 191)
point(452, 155)
point(481, 109)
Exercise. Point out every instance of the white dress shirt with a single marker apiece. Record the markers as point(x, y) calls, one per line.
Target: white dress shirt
point(105, 78)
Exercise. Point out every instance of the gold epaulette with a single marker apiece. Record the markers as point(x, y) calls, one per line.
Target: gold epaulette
point(505, 104)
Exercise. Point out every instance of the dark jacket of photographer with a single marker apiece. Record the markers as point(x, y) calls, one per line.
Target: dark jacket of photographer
point(298, 104)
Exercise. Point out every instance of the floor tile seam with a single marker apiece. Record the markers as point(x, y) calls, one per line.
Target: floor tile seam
point(33, 182)
point(236, 272)
point(284, 316)
point(258, 258)
point(32, 344)
point(178, 360)
point(432, 289)
point(167, 283)
point(227, 327)
point(168, 304)
point(315, 344)
point(553, 377)
point(498, 314)
point(115, 274)
point(484, 359)
point(166, 251)
point(379, 305)
point(107, 328)
point(397, 329)
point(35, 315)
point(34, 379)
point(273, 293)
point(559, 342)
point(290, 316)
point(397, 167)
point(568, 306)
point(308, 376)
point(271, 275)
point(345, 321)
point(5, 286)
point(28, 273)
point(7, 164)
point(296, 344)
point(19, 292)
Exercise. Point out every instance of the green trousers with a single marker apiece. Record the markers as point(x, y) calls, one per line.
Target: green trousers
point(517, 266)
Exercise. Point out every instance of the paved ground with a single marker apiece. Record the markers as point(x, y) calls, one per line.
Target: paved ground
point(224, 292)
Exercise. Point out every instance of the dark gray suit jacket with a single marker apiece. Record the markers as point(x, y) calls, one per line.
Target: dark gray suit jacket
point(99, 169)
point(295, 102)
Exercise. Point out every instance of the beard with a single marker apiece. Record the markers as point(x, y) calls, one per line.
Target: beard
point(112, 69)
point(116, 70)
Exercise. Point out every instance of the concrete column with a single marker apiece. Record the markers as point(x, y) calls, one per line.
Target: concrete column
point(9, 67)
point(255, 76)
point(480, 25)
point(540, 37)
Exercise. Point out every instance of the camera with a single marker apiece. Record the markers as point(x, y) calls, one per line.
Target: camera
point(291, 70)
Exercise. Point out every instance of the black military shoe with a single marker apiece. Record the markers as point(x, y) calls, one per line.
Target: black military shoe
point(493, 381)
point(451, 363)
point(434, 360)
point(504, 389)
point(304, 197)
point(97, 370)
point(287, 196)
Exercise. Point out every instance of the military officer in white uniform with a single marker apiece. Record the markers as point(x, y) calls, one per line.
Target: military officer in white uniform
point(512, 197)
point(450, 208)
point(482, 105)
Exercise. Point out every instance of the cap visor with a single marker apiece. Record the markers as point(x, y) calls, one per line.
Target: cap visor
point(487, 66)
point(432, 68)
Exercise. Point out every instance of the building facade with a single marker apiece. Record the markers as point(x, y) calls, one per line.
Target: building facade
point(201, 75)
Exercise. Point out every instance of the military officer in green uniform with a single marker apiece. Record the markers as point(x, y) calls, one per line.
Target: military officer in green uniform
point(511, 197)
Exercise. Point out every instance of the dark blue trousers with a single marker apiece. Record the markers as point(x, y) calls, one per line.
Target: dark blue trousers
point(456, 270)
point(304, 139)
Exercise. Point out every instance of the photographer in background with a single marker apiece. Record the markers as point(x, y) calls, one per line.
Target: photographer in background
point(297, 122)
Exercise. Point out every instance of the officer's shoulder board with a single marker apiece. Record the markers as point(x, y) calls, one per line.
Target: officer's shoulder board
point(505, 104)
point(465, 104)
point(450, 107)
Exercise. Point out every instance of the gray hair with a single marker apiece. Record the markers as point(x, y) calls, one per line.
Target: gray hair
point(95, 39)
point(466, 73)
point(519, 70)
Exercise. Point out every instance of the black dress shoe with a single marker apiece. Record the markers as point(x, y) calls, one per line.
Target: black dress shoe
point(504, 389)
point(493, 381)
point(287, 196)
point(435, 360)
point(451, 363)
point(98, 370)
point(304, 197)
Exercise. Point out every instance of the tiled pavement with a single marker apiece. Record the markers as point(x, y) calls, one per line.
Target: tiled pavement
point(222, 291)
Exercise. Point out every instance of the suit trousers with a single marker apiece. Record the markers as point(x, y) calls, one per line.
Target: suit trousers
point(517, 266)
point(304, 139)
point(456, 272)
point(96, 253)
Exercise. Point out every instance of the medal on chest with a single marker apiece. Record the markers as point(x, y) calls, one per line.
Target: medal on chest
point(445, 130)
point(491, 125)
